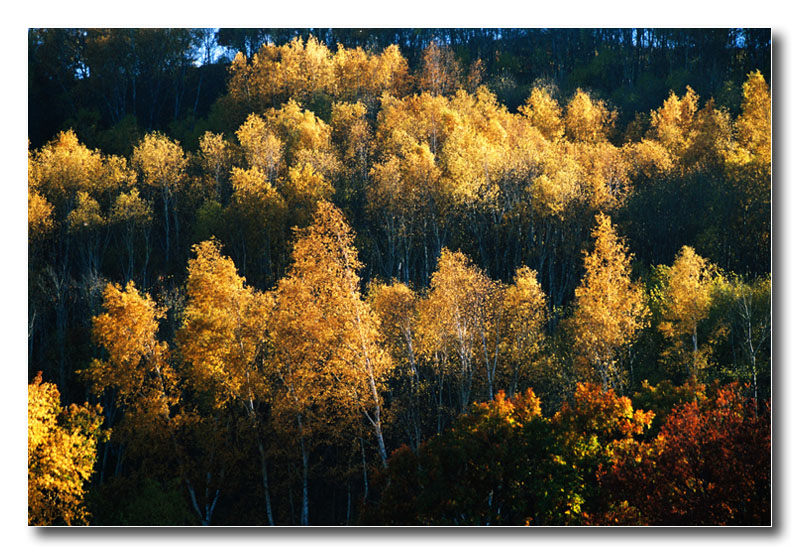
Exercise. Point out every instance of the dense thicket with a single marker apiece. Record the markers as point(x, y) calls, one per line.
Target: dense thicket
point(110, 84)
point(308, 283)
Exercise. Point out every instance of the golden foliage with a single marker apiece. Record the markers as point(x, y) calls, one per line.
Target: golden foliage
point(673, 125)
point(544, 114)
point(131, 208)
point(62, 448)
point(609, 308)
point(136, 365)
point(86, 215)
point(160, 162)
point(754, 125)
point(306, 139)
point(224, 329)
point(216, 156)
point(351, 131)
point(687, 301)
point(588, 120)
point(40, 215)
point(263, 150)
point(299, 70)
point(525, 314)
point(327, 348)
point(64, 167)
point(460, 315)
point(441, 72)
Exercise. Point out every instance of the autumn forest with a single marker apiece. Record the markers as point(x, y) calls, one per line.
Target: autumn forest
point(399, 277)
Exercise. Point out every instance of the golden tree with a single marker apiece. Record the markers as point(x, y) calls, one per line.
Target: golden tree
point(156, 420)
point(687, 302)
point(306, 139)
point(326, 357)
point(260, 214)
point(524, 314)
point(754, 125)
point(161, 165)
point(396, 306)
point(609, 308)
point(303, 188)
point(223, 338)
point(40, 215)
point(588, 120)
point(216, 156)
point(130, 212)
point(362, 77)
point(460, 315)
point(62, 449)
point(263, 150)
point(352, 134)
point(440, 73)
point(673, 126)
point(544, 113)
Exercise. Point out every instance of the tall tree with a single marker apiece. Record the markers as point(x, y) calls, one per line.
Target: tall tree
point(687, 302)
point(161, 165)
point(223, 338)
point(326, 344)
point(609, 308)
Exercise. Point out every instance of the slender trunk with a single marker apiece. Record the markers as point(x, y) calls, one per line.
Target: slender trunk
point(377, 421)
point(364, 468)
point(265, 481)
point(304, 507)
point(165, 196)
point(175, 219)
point(347, 513)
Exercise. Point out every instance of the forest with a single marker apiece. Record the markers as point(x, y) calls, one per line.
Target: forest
point(399, 277)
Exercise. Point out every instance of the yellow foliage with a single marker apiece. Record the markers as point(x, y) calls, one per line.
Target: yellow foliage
point(131, 208)
point(403, 184)
point(86, 215)
point(65, 167)
point(360, 75)
point(40, 215)
point(609, 308)
point(558, 182)
point(524, 317)
point(160, 162)
point(754, 125)
point(263, 150)
point(327, 346)
point(216, 156)
point(673, 125)
point(460, 315)
point(687, 301)
point(440, 73)
point(351, 131)
point(62, 449)
point(137, 364)
point(395, 305)
point(305, 137)
point(544, 114)
point(588, 120)
point(224, 328)
point(607, 170)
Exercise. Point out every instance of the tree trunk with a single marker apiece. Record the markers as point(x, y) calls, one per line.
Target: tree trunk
point(304, 507)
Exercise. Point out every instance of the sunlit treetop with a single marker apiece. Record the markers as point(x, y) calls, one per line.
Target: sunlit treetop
point(544, 113)
point(754, 126)
point(588, 120)
point(160, 162)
